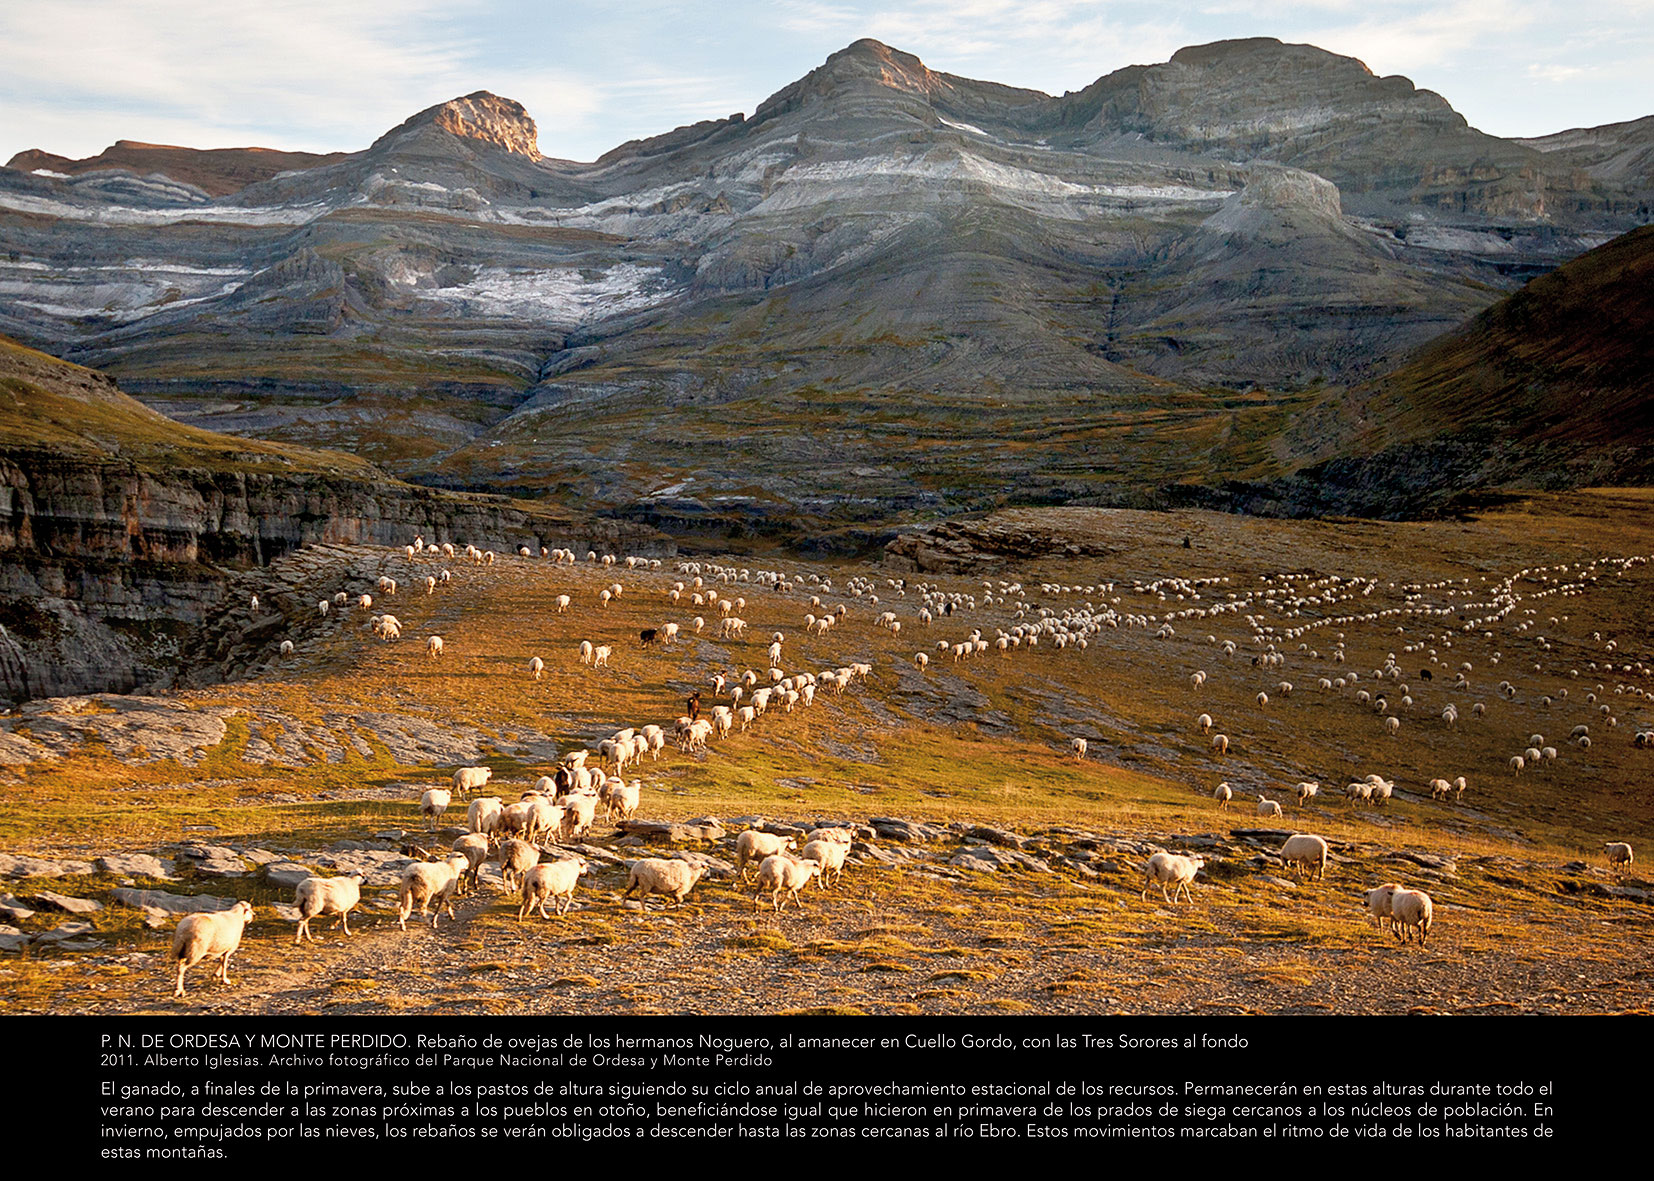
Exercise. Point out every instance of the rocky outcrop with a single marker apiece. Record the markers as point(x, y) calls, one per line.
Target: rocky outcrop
point(484, 117)
point(121, 531)
point(217, 172)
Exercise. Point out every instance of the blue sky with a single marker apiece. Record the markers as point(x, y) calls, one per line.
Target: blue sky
point(334, 74)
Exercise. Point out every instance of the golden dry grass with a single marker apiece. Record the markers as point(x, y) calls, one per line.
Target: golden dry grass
point(980, 743)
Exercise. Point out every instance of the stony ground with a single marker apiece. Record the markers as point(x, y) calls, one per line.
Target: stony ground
point(993, 872)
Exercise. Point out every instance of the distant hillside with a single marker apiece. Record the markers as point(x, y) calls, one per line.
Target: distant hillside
point(882, 294)
point(118, 527)
point(218, 172)
point(1551, 387)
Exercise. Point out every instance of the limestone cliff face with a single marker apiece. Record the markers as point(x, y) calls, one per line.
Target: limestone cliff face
point(481, 116)
point(107, 570)
point(121, 531)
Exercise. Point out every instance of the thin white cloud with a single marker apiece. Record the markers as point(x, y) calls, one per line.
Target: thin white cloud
point(1554, 73)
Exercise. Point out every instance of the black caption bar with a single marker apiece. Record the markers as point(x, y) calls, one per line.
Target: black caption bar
point(216, 1089)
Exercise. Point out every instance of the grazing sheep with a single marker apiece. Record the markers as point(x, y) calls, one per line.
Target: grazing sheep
point(434, 803)
point(563, 602)
point(1220, 743)
point(1619, 853)
point(1307, 791)
point(1267, 807)
point(578, 813)
point(780, 873)
point(1078, 747)
point(537, 667)
point(483, 816)
point(753, 845)
point(1378, 904)
point(428, 883)
point(1174, 870)
point(202, 936)
point(1392, 724)
point(600, 656)
point(1304, 850)
point(319, 896)
point(622, 800)
point(515, 820)
point(1222, 794)
point(551, 880)
point(286, 648)
point(516, 858)
point(433, 647)
point(474, 848)
point(470, 779)
point(655, 875)
point(322, 607)
point(829, 853)
point(1204, 721)
point(1411, 910)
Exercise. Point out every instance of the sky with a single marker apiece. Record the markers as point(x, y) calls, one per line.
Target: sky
point(333, 75)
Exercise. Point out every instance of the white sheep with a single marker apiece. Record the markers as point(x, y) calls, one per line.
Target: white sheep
point(1220, 743)
point(600, 656)
point(1174, 870)
point(1305, 850)
point(1378, 904)
point(537, 667)
point(780, 873)
point(1307, 791)
point(1204, 721)
point(1619, 853)
point(1411, 911)
point(474, 848)
point(1078, 746)
point(469, 779)
point(622, 801)
point(829, 853)
point(433, 647)
point(753, 845)
point(319, 896)
point(205, 935)
point(483, 816)
point(428, 883)
point(434, 803)
point(655, 875)
point(1268, 807)
point(578, 813)
point(516, 858)
point(551, 880)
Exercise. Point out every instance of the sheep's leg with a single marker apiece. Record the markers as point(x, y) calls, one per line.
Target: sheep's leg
point(298, 936)
point(179, 991)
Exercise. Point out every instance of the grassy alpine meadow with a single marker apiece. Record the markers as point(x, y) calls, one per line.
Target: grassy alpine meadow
point(993, 871)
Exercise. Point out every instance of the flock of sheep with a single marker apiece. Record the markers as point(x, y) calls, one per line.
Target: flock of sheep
point(1285, 616)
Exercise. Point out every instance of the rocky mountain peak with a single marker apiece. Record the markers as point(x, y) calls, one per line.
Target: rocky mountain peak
point(875, 60)
point(1247, 53)
point(482, 116)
